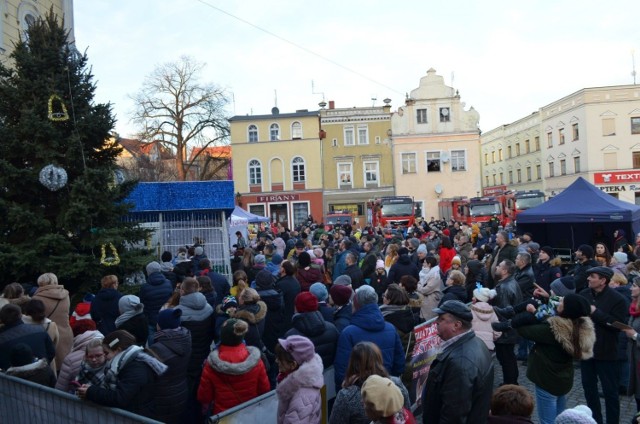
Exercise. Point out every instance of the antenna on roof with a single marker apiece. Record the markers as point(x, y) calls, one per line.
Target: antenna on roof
point(633, 65)
point(275, 97)
point(323, 103)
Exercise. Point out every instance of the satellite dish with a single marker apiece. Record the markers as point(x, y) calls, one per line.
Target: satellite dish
point(444, 157)
point(438, 188)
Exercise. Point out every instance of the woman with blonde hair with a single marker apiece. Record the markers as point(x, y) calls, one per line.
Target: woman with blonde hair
point(240, 282)
point(56, 307)
point(391, 256)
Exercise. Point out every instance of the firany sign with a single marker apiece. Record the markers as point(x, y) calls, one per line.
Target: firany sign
point(278, 198)
point(618, 181)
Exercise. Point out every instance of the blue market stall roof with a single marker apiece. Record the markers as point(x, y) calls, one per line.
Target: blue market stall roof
point(183, 196)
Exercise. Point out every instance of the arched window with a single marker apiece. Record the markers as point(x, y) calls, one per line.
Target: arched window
point(296, 131)
point(253, 134)
point(274, 132)
point(297, 168)
point(255, 172)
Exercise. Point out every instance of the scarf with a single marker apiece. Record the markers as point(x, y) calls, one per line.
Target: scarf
point(634, 311)
point(93, 376)
point(123, 358)
point(126, 316)
point(389, 309)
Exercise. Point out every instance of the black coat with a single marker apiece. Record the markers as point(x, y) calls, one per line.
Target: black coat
point(290, 288)
point(324, 335)
point(138, 326)
point(454, 293)
point(402, 267)
point(579, 272)
point(154, 295)
point(508, 294)
point(610, 306)
point(355, 273)
point(220, 284)
point(546, 274)
point(32, 335)
point(525, 278)
point(201, 337)
point(173, 348)
point(369, 264)
point(104, 309)
point(342, 317)
point(273, 321)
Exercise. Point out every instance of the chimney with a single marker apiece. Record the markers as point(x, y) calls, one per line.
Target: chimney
point(332, 104)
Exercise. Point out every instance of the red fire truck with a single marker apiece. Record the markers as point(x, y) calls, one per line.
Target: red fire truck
point(471, 210)
point(393, 211)
point(454, 208)
point(514, 202)
point(337, 218)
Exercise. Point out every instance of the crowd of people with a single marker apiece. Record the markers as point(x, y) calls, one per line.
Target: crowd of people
point(191, 344)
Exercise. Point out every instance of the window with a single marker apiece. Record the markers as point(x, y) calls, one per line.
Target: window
point(561, 136)
point(575, 133)
point(493, 157)
point(636, 160)
point(536, 142)
point(445, 114)
point(259, 210)
point(538, 172)
point(297, 167)
point(635, 125)
point(296, 131)
point(502, 178)
point(563, 167)
point(510, 177)
point(300, 213)
point(518, 175)
point(610, 160)
point(371, 171)
point(421, 116)
point(458, 160)
point(549, 139)
point(486, 158)
point(253, 134)
point(508, 152)
point(517, 149)
point(486, 181)
point(500, 155)
point(527, 148)
point(345, 177)
point(551, 170)
point(377, 139)
point(528, 173)
point(494, 179)
point(363, 134)
point(255, 172)
point(348, 136)
point(433, 162)
point(334, 142)
point(576, 164)
point(274, 132)
point(608, 127)
point(408, 163)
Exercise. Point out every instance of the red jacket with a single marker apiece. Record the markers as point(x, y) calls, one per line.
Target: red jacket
point(232, 375)
point(446, 256)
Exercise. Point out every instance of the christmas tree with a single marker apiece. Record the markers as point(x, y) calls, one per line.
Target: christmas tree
point(61, 207)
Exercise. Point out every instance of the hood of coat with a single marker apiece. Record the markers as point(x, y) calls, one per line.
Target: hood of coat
point(234, 368)
point(404, 259)
point(562, 329)
point(81, 340)
point(252, 314)
point(309, 375)
point(196, 301)
point(108, 294)
point(177, 340)
point(194, 307)
point(29, 370)
point(482, 310)
point(369, 318)
point(310, 324)
point(55, 292)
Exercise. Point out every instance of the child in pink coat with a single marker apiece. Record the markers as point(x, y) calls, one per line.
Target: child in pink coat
point(483, 316)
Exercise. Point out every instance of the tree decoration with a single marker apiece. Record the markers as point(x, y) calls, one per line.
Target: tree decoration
point(53, 177)
point(60, 114)
point(112, 260)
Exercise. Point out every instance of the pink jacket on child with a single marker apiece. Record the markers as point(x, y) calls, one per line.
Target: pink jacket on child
point(483, 316)
point(299, 394)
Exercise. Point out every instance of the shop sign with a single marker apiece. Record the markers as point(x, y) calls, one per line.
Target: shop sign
point(278, 198)
point(618, 177)
point(620, 188)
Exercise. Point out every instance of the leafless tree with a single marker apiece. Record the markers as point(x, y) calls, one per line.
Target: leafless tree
point(181, 112)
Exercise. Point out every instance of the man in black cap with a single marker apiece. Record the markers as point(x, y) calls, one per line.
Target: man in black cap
point(584, 261)
point(460, 381)
point(546, 270)
point(607, 306)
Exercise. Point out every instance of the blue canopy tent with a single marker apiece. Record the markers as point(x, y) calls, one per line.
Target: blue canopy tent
point(239, 220)
point(574, 216)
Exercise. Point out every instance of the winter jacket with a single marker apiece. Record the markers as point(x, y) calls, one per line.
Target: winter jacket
point(610, 306)
point(254, 315)
point(355, 273)
point(508, 251)
point(546, 273)
point(430, 286)
point(460, 383)
point(633, 350)
point(340, 264)
point(454, 293)
point(322, 334)
point(342, 316)
point(525, 278)
point(138, 326)
point(368, 324)
point(348, 406)
point(232, 375)
point(299, 399)
point(56, 308)
point(550, 363)
point(580, 275)
point(273, 321)
point(154, 295)
point(380, 282)
point(194, 307)
point(38, 372)
point(198, 318)
point(508, 294)
point(368, 266)
point(483, 316)
point(173, 348)
point(307, 276)
point(104, 309)
point(290, 288)
point(52, 330)
point(33, 335)
point(623, 340)
point(446, 256)
point(71, 364)
point(326, 311)
point(402, 267)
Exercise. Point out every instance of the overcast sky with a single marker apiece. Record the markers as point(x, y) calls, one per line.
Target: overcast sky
point(506, 58)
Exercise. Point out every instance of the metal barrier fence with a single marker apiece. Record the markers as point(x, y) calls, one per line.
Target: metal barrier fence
point(22, 401)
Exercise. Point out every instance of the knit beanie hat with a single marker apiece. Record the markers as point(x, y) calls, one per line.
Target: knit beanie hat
point(379, 264)
point(276, 259)
point(88, 298)
point(341, 295)
point(456, 260)
point(233, 331)
point(533, 246)
point(130, 302)
point(260, 259)
point(415, 243)
point(563, 286)
point(575, 306)
point(229, 302)
point(586, 250)
point(484, 294)
point(382, 394)
point(621, 257)
point(198, 251)
point(343, 280)
point(304, 260)
point(319, 290)
point(264, 280)
point(422, 249)
point(81, 326)
point(300, 347)
point(474, 266)
point(169, 318)
point(153, 267)
point(365, 295)
point(548, 250)
point(306, 302)
point(581, 414)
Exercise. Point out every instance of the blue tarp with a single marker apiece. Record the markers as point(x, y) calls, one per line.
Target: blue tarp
point(183, 196)
point(238, 212)
point(572, 217)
